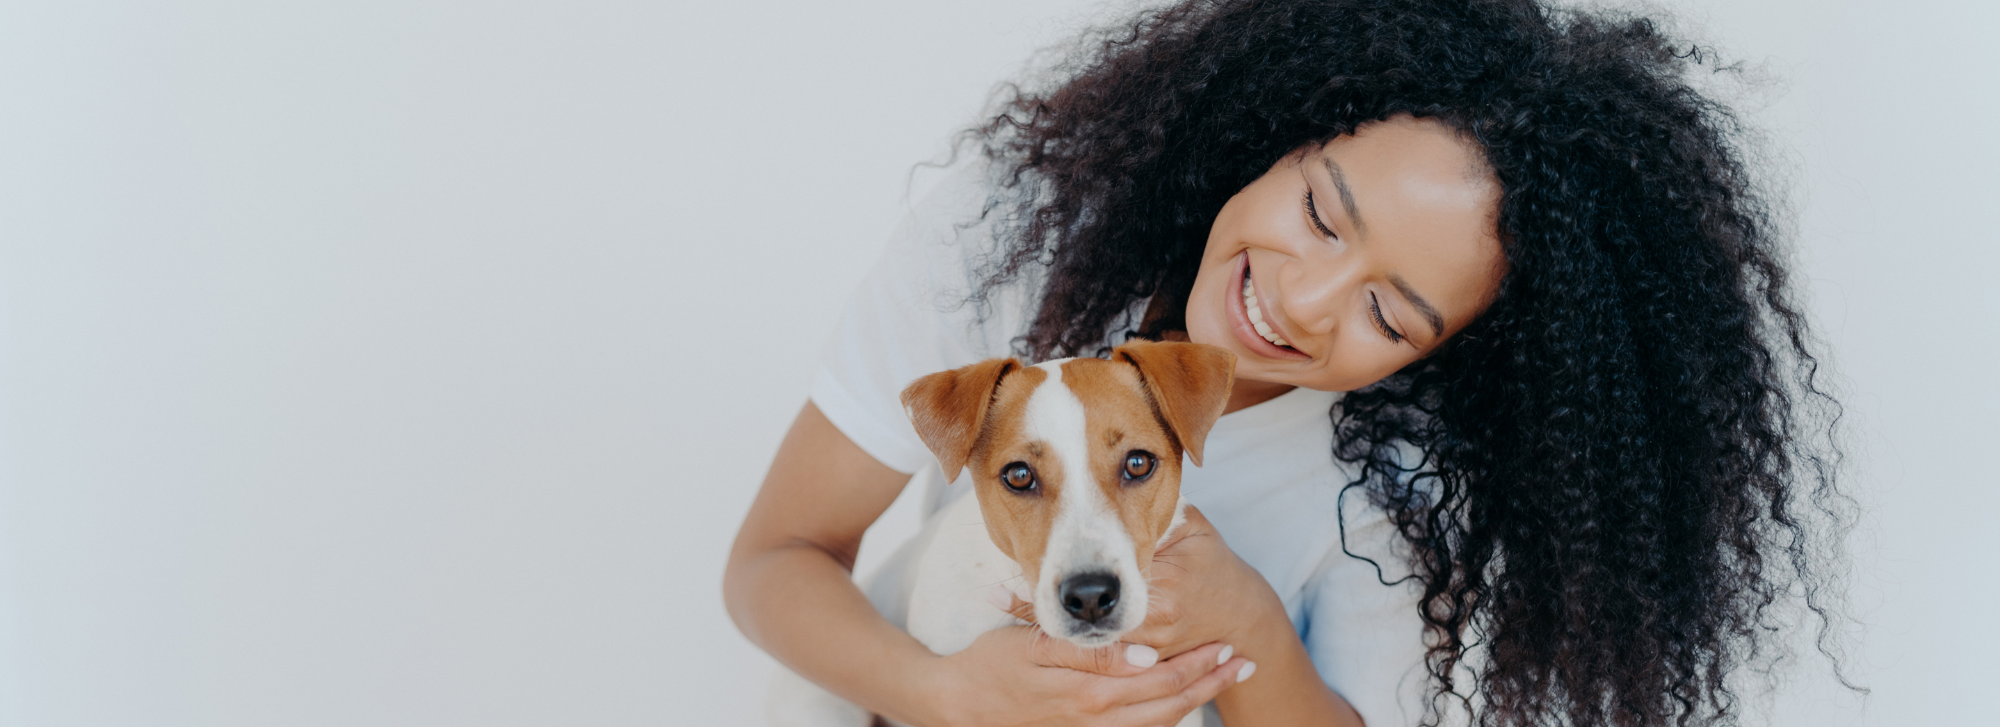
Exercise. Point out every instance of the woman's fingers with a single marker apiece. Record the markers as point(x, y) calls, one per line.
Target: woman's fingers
point(1169, 677)
point(1116, 660)
point(1171, 708)
point(1128, 693)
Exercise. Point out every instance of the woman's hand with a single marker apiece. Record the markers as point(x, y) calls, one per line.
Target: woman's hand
point(1021, 676)
point(1199, 592)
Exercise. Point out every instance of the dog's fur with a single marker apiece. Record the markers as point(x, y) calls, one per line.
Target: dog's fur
point(1074, 423)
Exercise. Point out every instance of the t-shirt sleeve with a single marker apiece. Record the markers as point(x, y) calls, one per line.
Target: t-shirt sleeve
point(911, 316)
point(1366, 638)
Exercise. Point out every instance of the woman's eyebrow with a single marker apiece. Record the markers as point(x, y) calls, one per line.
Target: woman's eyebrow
point(1423, 307)
point(1346, 195)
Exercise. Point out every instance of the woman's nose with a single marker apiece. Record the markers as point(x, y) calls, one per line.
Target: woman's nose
point(1313, 292)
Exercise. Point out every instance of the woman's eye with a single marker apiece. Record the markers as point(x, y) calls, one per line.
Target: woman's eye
point(1018, 477)
point(1375, 311)
point(1312, 213)
point(1138, 465)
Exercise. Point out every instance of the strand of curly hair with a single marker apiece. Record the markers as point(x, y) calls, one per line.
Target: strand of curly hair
point(1628, 462)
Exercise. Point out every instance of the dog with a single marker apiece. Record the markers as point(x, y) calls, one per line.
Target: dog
point(1075, 467)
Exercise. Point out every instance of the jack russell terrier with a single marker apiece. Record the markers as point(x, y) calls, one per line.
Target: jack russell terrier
point(1075, 466)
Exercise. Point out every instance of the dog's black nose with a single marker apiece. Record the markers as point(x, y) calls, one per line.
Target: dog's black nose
point(1089, 596)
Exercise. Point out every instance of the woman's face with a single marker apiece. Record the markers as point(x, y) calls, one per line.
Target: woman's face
point(1344, 263)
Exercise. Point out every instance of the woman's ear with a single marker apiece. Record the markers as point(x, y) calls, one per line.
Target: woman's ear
point(1189, 383)
point(949, 407)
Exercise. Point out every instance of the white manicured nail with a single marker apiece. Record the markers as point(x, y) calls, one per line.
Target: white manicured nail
point(1249, 667)
point(1223, 658)
point(1141, 655)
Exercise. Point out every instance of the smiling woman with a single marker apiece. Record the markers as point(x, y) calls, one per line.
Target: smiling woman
point(1576, 378)
point(1499, 271)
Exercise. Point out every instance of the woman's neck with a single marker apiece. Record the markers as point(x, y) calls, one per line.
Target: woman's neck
point(1246, 393)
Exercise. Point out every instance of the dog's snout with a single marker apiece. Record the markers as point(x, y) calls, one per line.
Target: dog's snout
point(1089, 596)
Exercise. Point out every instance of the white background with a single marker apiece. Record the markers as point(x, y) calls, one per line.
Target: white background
point(380, 362)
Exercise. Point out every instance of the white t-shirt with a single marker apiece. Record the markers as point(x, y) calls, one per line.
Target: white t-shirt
point(1270, 483)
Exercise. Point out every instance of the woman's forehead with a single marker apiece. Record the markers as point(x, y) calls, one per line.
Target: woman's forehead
point(1428, 208)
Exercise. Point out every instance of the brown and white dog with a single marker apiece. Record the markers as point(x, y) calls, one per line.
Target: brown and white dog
point(1075, 466)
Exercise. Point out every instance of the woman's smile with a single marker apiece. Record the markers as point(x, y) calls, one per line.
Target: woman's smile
point(1307, 294)
point(1256, 328)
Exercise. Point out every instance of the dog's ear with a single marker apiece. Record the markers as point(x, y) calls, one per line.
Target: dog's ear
point(949, 407)
point(1189, 383)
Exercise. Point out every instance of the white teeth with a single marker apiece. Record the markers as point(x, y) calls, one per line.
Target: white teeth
point(1257, 315)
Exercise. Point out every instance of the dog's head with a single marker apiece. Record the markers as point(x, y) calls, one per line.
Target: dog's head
point(1077, 466)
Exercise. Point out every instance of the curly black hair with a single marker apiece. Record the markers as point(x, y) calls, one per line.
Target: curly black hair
point(1629, 460)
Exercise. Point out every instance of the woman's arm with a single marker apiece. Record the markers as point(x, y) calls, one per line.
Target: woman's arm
point(1288, 689)
point(788, 584)
point(788, 587)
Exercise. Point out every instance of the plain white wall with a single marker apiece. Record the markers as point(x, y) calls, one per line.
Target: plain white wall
point(390, 363)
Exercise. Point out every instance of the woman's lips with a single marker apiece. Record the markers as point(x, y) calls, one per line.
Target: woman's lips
point(1239, 319)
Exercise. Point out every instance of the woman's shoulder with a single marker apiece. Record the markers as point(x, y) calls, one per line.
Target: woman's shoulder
point(923, 307)
point(954, 238)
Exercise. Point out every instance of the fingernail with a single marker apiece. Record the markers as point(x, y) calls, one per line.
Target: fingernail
point(1141, 655)
point(1000, 597)
point(1249, 667)
point(1223, 658)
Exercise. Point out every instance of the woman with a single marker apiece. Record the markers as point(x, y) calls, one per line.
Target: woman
point(1579, 425)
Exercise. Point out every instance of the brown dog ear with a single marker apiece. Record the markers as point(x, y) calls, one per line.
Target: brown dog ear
point(947, 408)
point(1189, 383)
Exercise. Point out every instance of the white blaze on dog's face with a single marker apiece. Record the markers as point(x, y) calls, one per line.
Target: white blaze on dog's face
point(1077, 467)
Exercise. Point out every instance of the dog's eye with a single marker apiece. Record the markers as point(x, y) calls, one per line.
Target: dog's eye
point(1018, 477)
point(1139, 465)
